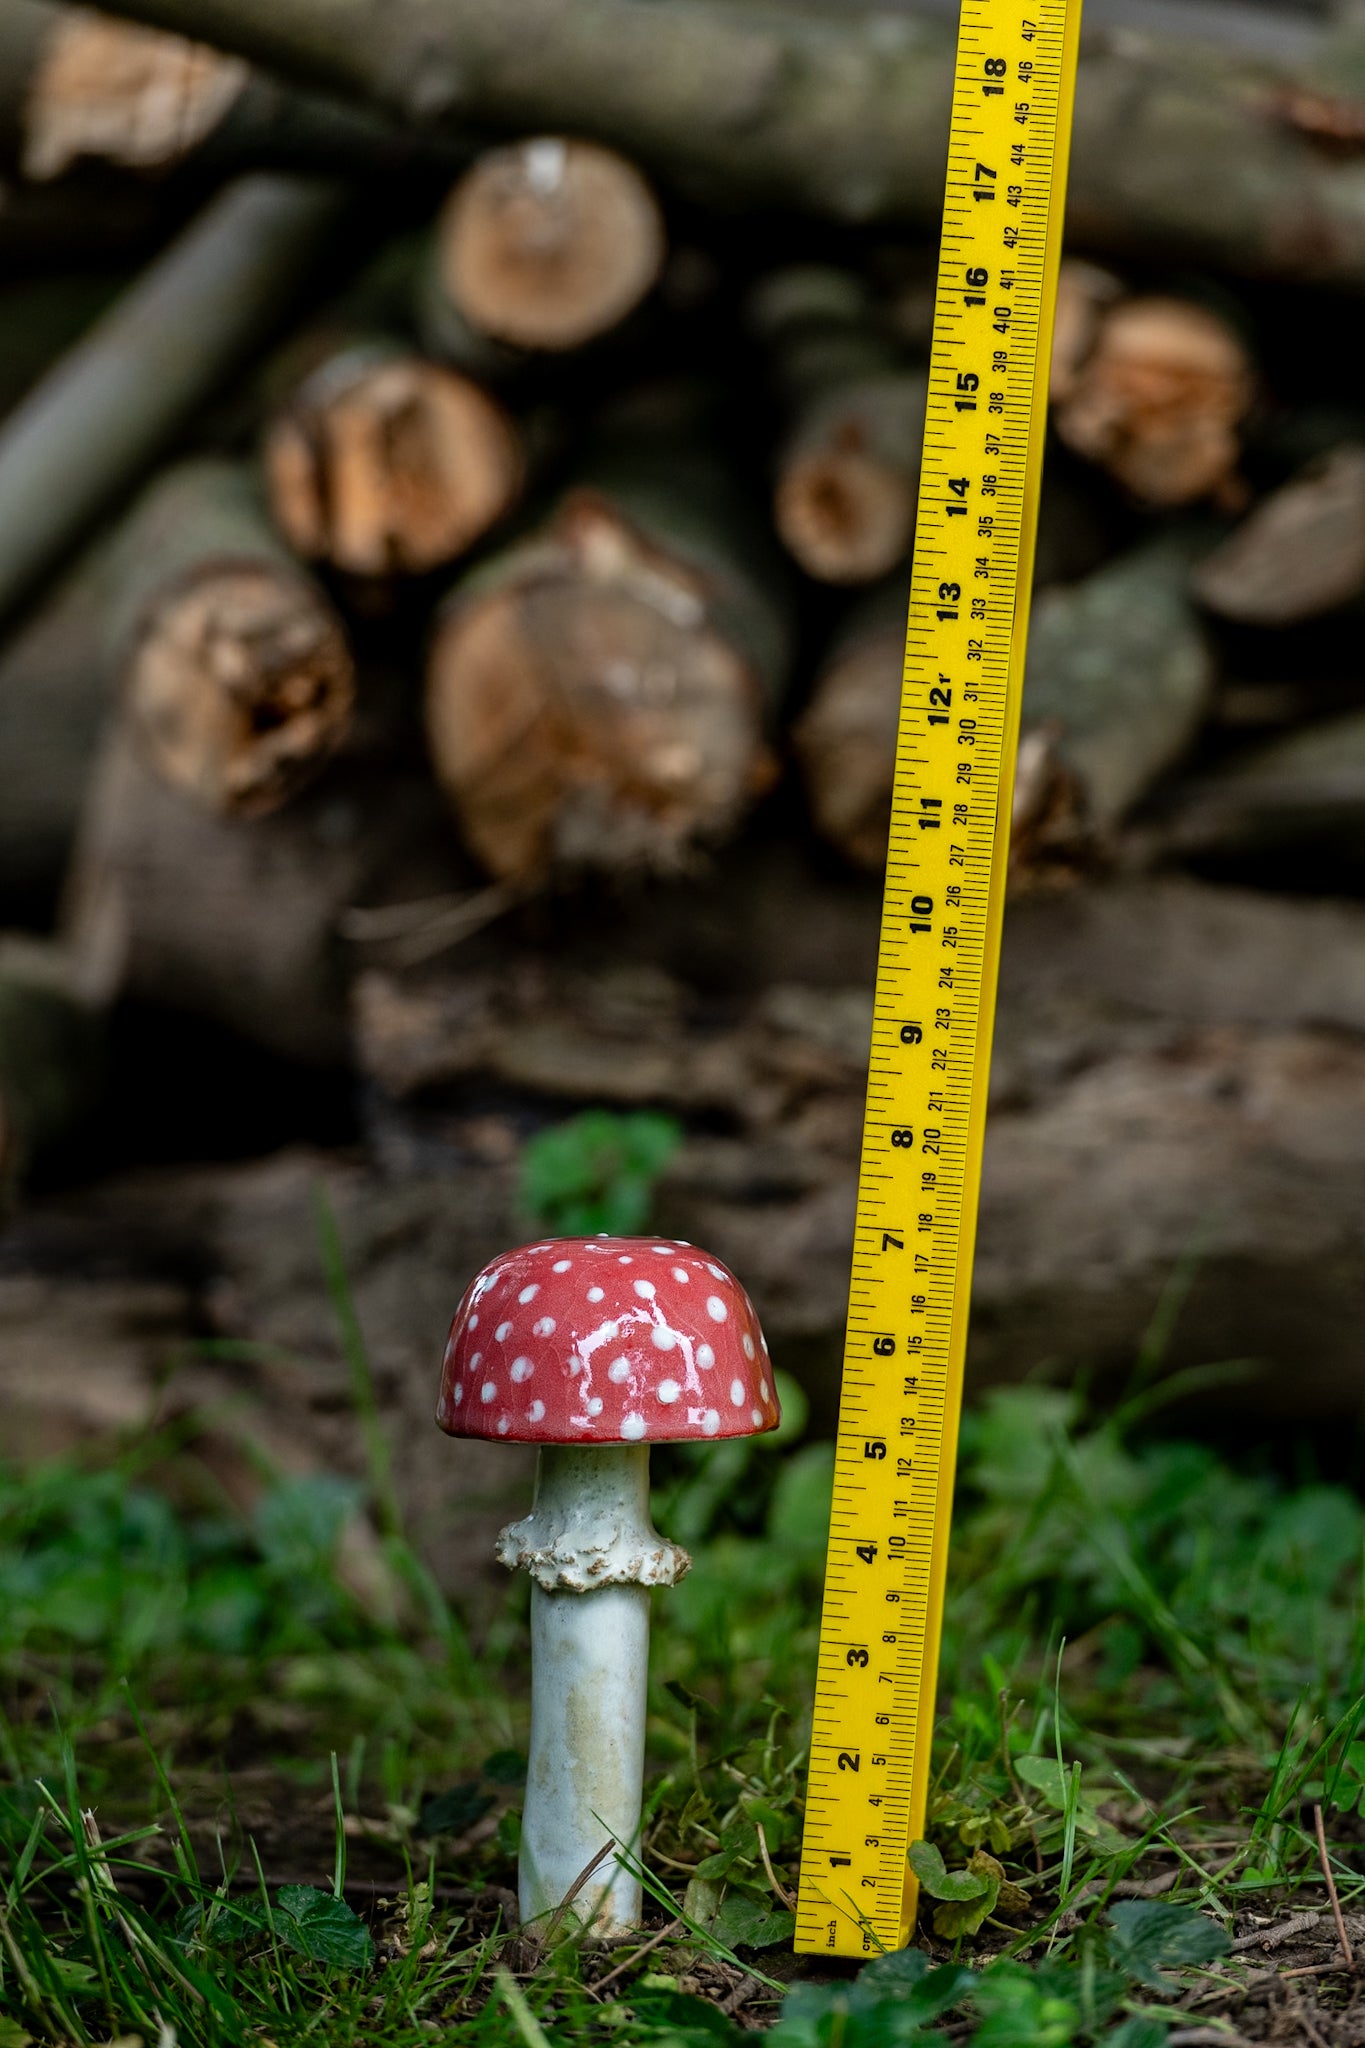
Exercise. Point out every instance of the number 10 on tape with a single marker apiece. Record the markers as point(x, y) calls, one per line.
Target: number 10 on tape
point(936, 973)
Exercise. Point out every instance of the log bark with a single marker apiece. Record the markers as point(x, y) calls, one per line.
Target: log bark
point(848, 471)
point(1180, 148)
point(51, 1037)
point(236, 672)
point(1299, 801)
point(547, 243)
point(383, 463)
point(597, 694)
point(1301, 552)
point(80, 88)
point(241, 920)
point(1119, 678)
point(55, 691)
point(85, 434)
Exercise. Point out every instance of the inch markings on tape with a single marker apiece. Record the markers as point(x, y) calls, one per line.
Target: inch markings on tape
point(936, 973)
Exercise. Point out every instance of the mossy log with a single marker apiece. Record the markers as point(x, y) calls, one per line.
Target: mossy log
point(1300, 798)
point(1117, 681)
point(383, 463)
point(848, 469)
point(86, 433)
point(597, 693)
point(1182, 150)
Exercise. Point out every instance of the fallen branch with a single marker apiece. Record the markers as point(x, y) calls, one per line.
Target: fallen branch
point(91, 427)
point(1179, 148)
point(79, 87)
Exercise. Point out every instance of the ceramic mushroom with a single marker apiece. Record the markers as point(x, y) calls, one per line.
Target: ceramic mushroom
point(594, 1348)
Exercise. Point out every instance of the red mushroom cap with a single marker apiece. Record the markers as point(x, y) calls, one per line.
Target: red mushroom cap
point(606, 1340)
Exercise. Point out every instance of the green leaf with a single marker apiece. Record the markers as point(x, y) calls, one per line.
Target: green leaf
point(322, 1927)
point(71, 1974)
point(929, 1868)
point(744, 1922)
point(12, 2035)
point(1149, 1932)
point(505, 1767)
point(1137, 2031)
point(452, 1811)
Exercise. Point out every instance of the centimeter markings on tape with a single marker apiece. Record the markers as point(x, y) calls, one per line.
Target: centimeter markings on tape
point(936, 974)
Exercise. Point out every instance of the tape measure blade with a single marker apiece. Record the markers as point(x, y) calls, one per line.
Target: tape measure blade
point(937, 968)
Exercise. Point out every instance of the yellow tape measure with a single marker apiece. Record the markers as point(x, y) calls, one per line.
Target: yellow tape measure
point(936, 974)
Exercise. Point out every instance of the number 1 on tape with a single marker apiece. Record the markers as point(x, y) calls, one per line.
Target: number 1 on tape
point(936, 973)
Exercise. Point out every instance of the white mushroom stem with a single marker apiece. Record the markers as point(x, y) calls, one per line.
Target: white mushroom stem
point(593, 1553)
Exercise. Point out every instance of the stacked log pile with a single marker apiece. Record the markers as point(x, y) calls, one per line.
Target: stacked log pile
point(453, 560)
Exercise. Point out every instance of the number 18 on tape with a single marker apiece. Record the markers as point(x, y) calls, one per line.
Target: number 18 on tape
point(936, 973)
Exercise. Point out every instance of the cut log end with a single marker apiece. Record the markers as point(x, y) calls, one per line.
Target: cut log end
point(845, 516)
point(1158, 401)
point(118, 93)
point(549, 243)
point(240, 685)
point(588, 713)
point(389, 464)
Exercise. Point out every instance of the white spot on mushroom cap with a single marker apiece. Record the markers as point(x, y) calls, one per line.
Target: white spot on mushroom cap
point(763, 1390)
point(459, 1392)
point(529, 1293)
point(716, 1309)
point(633, 1426)
point(764, 1342)
point(645, 1289)
point(668, 1392)
point(625, 1259)
point(747, 1343)
point(487, 1391)
point(619, 1370)
point(476, 1361)
point(473, 1323)
point(757, 1414)
point(705, 1357)
point(504, 1425)
point(503, 1332)
point(522, 1369)
point(595, 1405)
point(561, 1265)
point(716, 1272)
point(681, 1273)
point(536, 1412)
point(737, 1393)
point(545, 1327)
point(662, 1338)
point(710, 1422)
point(596, 1293)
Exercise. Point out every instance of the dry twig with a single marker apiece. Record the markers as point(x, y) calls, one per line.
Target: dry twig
point(1326, 1863)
